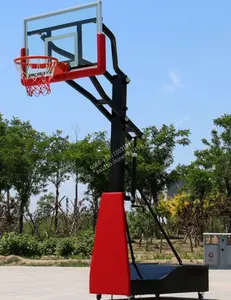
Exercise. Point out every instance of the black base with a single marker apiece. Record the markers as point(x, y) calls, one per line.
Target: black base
point(168, 279)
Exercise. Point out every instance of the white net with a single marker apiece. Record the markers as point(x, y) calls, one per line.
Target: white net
point(36, 73)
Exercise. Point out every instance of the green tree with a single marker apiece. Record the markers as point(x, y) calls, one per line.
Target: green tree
point(24, 155)
point(57, 165)
point(141, 225)
point(5, 181)
point(45, 206)
point(199, 187)
point(216, 159)
point(155, 157)
point(90, 157)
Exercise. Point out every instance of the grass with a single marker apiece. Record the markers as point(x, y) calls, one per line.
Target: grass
point(156, 251)
point(19, 261)
point(72, 264)
point(9, 260)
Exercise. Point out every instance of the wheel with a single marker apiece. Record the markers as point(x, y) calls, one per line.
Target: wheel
point(157, 296)
point(98, 297)
point(200, 296)
point(131, 298)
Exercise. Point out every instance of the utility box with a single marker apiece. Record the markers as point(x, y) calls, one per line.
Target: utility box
point(217, 250)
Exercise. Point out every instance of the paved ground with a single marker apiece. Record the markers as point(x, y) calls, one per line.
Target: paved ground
point(53, 283)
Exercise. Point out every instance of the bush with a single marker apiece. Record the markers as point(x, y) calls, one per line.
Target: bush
point(19, 244)
point(26, 245)
point(65, 247)
point(48, 246)
point(84, 244)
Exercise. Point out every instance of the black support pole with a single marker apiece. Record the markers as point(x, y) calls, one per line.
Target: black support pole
point(134, 161)
point(118, 133)
point(121, 127)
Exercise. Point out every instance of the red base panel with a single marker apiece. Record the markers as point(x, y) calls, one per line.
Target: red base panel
point(110, 272)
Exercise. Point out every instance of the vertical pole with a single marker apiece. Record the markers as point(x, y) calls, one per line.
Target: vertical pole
point(80, 44)
point(134, 161)
point(119, 103)
point(48, 51)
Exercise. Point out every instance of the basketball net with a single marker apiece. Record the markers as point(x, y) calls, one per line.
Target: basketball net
point(36, 73)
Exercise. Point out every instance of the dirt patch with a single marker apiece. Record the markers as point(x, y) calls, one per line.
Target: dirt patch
point(20, 261)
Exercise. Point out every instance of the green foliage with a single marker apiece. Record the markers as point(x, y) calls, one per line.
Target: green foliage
point(90, 157)
point(23, 155)
point(22, 245)
point(26, 245)
point(65, 247)
point(84, 244)
point(216, 157)
point(45, 205)
point(141, 224)
point(80, 246)
point(48, 246)
point(31, 160)
point(57, 166)
point(156, 155)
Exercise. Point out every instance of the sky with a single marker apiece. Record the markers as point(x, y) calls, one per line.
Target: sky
point(176, 53)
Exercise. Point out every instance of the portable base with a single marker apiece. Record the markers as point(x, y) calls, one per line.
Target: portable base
point(168, 279)
point(112, 274)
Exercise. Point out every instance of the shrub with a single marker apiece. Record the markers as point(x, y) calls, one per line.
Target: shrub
point(48, 246)
point(26, 245)
point(8, 244)
point(19, 244)
point(65, 247)
point(84, 244)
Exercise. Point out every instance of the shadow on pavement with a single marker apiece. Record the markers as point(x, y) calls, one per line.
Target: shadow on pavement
point(165, 298)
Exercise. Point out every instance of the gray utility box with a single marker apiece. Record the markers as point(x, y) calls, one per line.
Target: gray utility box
point(217, 250)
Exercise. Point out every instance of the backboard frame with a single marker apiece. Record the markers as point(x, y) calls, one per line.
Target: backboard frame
point(73, 72)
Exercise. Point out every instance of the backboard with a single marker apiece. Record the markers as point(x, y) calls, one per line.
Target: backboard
point(73, 36)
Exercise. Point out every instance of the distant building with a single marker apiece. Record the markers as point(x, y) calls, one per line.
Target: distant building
point(174, 189)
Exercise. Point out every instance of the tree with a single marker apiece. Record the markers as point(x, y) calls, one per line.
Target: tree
point(184, 213)
point(45, 206)
point(57, 165)
point(75, 174)
point(141, 225)
point(90, 157)
point(155, 156)
point(5, 181)
point(8, 214)
point(199, 185)
point(216, 159)
point(24, 155)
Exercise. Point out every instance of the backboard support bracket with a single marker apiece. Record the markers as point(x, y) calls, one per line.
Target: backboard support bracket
point(51, 31)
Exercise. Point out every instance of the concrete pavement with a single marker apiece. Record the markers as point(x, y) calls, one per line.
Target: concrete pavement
point(59, 283)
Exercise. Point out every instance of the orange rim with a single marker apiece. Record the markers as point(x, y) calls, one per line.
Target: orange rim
point(26, 61)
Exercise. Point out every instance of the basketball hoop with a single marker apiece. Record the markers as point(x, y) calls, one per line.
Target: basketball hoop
point(36, 73)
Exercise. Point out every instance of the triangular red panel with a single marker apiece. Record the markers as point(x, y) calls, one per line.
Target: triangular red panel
point(110, 273)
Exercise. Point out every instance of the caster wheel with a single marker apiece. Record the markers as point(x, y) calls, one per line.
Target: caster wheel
point(98, 297)
point(157, 296)
point(200, 296)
